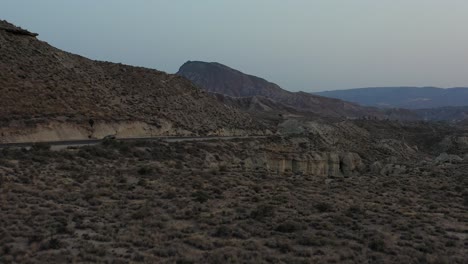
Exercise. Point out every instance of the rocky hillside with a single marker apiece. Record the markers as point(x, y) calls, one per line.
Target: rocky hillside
point(50, 94)
point(218, 78)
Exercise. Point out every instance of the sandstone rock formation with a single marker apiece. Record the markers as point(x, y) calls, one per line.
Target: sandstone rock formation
point(323, 164)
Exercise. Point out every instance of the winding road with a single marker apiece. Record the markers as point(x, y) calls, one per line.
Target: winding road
point(87, 142)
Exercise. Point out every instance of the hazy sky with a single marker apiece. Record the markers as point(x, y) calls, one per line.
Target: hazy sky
point(308, 45)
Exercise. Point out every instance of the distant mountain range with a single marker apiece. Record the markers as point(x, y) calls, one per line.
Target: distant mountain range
point(403, 97)
point(253, 94)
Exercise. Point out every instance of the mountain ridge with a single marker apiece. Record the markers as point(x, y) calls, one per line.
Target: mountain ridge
point(403, 96)
point(218, 78)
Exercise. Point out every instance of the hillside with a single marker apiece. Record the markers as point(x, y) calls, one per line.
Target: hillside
point(50, 94)
point(218, 78)
point(402, 97)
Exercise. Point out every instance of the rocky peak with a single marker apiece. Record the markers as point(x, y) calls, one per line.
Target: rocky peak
point(217, 78)
point(10, 28)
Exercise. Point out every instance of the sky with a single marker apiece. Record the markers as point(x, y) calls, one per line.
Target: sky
point(308, 45)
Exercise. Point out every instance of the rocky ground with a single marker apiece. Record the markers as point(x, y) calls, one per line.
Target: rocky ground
point(208, 202)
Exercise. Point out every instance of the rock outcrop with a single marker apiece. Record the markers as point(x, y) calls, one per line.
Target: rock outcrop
point(324, 164)
point(454, 143)
point(448, 158)
point(10, 28)
point(393, 169)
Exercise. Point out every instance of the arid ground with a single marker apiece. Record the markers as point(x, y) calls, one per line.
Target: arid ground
point(192, 202)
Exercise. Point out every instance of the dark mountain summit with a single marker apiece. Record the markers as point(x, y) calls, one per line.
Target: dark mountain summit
point(217, 78)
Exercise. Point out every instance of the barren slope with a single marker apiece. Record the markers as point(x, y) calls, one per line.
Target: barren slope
point(47, 93)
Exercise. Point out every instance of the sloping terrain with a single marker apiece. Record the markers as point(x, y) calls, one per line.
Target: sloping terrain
point(403, 97)
point(218, 78)
point(49, 94)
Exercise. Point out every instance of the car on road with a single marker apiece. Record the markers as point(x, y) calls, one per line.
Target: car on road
point(109, 137)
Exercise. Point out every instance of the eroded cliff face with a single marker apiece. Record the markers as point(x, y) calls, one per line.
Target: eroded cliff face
point(17, 132)
point(62, 131)
point(316, 163)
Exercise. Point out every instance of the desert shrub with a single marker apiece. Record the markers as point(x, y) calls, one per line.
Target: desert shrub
point(145, 170)
point(35, 238)
point(52, 243)
point(289, 227)
point(199, 242)
point(282, 245)
point(120, 178)
point(214, 171)
point(427, 247)
point(25, 179)
point(141, 214)
point(111, 143)
point(184, 261)
point(323, 207)
point(91, 152)
point(142, 182)
point(40, 147)
point(170, 194)
point(354, 211)
point(223, 168)
point(451, 243)
point(164, 252)
point(465, 198)
point(200, 196)
point(377, 244)
point(138, 257)
point(257, 188)
point(179, 165)
point(263, 211)
point(80, 177)
point(310, 240)
point(223, 231)
point(6, 250)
